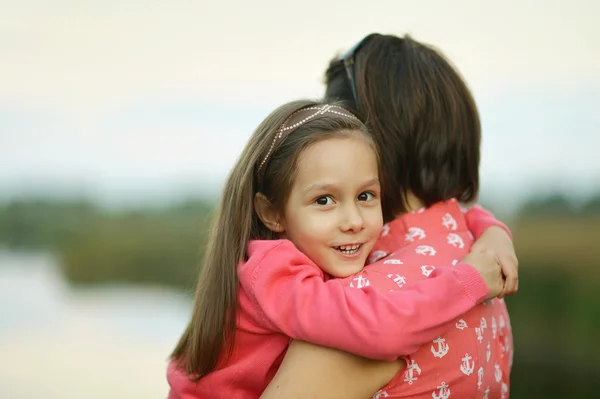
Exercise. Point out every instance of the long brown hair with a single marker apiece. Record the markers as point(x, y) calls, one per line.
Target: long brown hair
point(422, 116)
point(209, 336)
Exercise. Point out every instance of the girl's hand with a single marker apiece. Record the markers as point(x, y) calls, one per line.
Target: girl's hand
point(497, 240)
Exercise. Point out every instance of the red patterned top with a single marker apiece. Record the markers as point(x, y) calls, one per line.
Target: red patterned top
point(472, 360)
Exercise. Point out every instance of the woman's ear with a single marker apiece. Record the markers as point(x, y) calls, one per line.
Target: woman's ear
point(269, 216)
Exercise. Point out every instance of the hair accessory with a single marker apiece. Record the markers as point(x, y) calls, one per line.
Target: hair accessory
point(296, 120)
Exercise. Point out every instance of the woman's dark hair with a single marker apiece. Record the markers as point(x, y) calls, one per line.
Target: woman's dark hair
point(422, 116)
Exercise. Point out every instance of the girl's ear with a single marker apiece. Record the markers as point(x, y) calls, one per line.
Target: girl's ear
point(269, 216)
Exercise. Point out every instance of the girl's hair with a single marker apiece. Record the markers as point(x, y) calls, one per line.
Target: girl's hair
point(420, 113)
point(262, 167)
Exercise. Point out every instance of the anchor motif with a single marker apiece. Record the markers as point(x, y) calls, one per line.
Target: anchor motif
point(385, 230)
point(483, 323)
point(465, 367)
point(449, 222)
point(503, 390)
point(380, 394)
point(444, 392)
point(442, 347)
point(376, 255)
point(426, 270)
point(461, 325)
point(479, 377)
point(425, 250)
point(393, 262)
point(455, 240)
point(494, 327)
point(486, 393)
point(361, 282)
point(502, 324)
point(505, 347)
point(398, 279)
point(497, 373)
point(454, 262)
point(409, 374)
point(478, 331)
point(488, 352)
point(415, 232)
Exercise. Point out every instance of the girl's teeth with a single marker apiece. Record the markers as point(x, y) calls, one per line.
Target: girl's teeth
point(349, 249)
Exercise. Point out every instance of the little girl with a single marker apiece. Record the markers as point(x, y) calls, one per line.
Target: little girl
point(302, 205)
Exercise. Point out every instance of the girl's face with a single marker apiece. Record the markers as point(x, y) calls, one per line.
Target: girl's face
point(333, 213)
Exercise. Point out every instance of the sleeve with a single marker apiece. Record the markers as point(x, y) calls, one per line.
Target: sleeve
point(291, 297)
point(479, 219)
point(180, 386)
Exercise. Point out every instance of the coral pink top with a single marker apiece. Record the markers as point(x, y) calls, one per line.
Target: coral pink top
point(473, 359)
point(284, 295)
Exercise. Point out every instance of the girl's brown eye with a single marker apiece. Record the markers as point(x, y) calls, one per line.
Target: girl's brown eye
point(324, 200)
point(366, 196)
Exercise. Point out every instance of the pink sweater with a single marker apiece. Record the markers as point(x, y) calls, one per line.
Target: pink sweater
point(284, 295)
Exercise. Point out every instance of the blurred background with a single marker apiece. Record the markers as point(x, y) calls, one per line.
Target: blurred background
point(120, 119)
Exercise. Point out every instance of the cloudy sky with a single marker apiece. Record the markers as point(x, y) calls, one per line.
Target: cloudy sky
point(129, 99)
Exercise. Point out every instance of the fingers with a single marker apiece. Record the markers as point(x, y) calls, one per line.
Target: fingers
point(511, 276)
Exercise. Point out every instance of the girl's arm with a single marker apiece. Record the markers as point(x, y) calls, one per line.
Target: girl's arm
point(479, 220)
point(311, 371)
point(290, 297)
point(493, 235)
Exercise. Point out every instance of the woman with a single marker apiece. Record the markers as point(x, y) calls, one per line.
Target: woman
point(427, 128)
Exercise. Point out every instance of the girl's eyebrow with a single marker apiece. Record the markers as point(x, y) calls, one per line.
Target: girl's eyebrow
point(331, 187)
point(371, 182)
point(319, 187)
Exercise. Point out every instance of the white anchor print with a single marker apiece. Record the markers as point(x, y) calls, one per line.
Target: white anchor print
point(479, 377)
point(502, 325)
point(385, 230)
point(426, 270)
point(409, 374)
point(503, 390)
point(497, 373)
point(479, 332)
point(398, 279)
point(444, 392)
point(454, 262)
point(506, 347)
point(361, 282)
point(466, 367)
point(483, 323)
point(488, 352)
point(461, 325)
point(486, 393)
point(494, 327)
point(376, 255)
point(455, 240)
point(442, 347)
point(393, 262)
point(449, 222)
point(380, 394)
point(415, 233)
point(425, 250)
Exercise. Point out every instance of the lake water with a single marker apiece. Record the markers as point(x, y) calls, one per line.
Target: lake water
point(60, 342)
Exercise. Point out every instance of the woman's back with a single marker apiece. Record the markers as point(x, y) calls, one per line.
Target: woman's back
point(473, 358)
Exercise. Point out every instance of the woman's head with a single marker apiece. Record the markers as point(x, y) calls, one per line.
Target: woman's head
point(308, 173)
point(420, 113)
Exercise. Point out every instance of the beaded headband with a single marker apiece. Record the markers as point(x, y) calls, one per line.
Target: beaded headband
point(296, 120)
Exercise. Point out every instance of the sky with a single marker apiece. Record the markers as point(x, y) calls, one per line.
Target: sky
point(131, 100)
